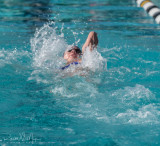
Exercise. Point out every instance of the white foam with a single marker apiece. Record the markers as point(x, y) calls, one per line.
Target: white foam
point(135, 106)
point(134, 93)
point(144, 115)
point(47, 48)
point(93, 60)
point(63, 92)
point(9, 56)
point(79, 88)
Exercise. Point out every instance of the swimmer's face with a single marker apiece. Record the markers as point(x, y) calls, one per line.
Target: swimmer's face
point(71, 56)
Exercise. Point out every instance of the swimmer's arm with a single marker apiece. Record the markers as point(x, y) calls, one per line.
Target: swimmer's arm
point(91, 42)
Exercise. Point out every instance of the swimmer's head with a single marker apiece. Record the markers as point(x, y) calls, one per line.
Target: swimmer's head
point(77, 49)
point(72, 54)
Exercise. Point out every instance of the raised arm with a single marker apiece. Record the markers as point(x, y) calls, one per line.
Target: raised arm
point(91, 41)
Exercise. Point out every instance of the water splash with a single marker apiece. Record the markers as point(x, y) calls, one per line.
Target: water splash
point(48, 48)
point(146, 114)
point(93, 60)
point(12, 56)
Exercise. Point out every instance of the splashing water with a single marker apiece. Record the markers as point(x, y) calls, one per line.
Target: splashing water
point(48, 49)
point(12, 56)
point(93, 60)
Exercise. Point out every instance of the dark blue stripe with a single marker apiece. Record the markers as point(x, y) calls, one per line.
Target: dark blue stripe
point(75, 63)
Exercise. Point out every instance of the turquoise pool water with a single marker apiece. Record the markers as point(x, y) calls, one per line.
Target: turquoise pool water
point(115, 101)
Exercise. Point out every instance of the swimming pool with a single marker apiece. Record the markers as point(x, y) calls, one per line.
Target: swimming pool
point(114, 105)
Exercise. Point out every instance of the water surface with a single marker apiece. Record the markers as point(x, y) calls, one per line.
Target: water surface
point(113, 105)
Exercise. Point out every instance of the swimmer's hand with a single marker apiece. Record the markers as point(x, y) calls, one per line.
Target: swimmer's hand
point(93, 38)
point(91, 42)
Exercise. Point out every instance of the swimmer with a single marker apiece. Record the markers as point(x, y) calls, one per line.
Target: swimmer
point(73, 56)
